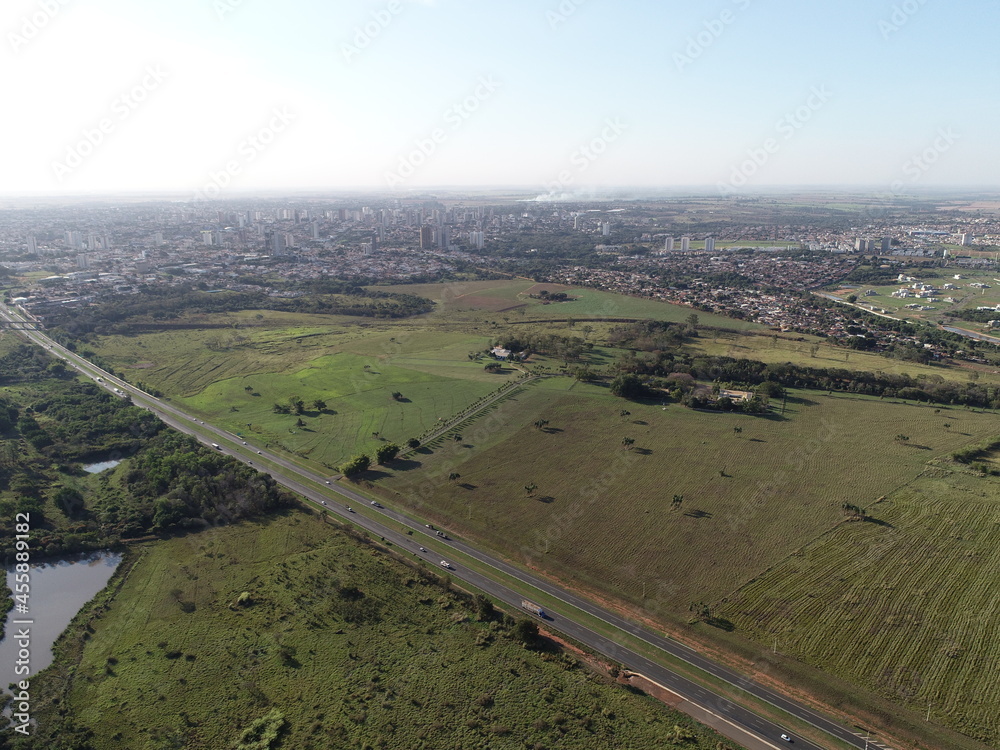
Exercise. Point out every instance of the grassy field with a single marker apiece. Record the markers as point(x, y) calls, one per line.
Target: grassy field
point(498, 300)
point(906, 607)
point(341, 645)
point(603, 516)
point(813, 351)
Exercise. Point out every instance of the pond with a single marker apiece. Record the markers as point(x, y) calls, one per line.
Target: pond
point(99, 467)
point(59, 588)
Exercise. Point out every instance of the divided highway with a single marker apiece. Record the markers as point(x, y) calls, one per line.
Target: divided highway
point(736, 722)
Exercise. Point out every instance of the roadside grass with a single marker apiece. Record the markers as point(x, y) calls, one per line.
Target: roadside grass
point(352, 648)
point(906, 608)
point(359, 404)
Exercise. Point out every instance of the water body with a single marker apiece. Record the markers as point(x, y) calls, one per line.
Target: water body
point(99, 467)
point(59, 588)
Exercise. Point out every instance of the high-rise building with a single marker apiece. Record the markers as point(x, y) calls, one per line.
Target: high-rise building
point(861, 245)
point(606, 229)
point(426, 237)
point(207, 237)
point(886, 244)
point(444, 238)
point(966, 239)
point(578, 222)
point(685, 244)
point(710, 244)
point(668, 244)
point(477, 239)
point(74, 240)
point(157, 239)
point(315, 230)
point(32, 245)
point(82, 261)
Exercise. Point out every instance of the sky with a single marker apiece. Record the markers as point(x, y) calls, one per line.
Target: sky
point(564, 97)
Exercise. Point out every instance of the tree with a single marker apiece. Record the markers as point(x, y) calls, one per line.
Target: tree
point(453, 476)
point(397, 396)
point(280, 409)
point(540, 423)
point(357, 465)
point(628, 385)
point(319, 404)
point(493, 367)
point(484, 608)
point(413, 443)
point(676, 502)
point(851, 298)
point(530, 488)
point(526, 631)
point(386, 452)
point(299, 422)
point(628, 443)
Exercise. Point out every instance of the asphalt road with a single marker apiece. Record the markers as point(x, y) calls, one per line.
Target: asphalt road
point(744, 726)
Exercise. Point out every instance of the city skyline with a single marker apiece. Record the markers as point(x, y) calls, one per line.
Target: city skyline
point(211, 98)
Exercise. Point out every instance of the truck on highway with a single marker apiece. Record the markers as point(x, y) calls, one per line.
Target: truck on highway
point(533, 608)
point(217, 446)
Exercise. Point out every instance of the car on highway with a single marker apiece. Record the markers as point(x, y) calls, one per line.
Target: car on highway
point(327, 481)
point(786, 738)
point(350, 509)
point(422, 549)
point(244, 442)
point(258, 453)
point(446, 564)
point(322, 502)
point(376, 504)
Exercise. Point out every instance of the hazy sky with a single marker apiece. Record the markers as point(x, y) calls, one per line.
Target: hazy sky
point(210, 96)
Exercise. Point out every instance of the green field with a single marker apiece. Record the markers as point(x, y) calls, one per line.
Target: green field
point(569, 499)
point(344, 646)
point(511, 300)
point(906, 607)
point(813, 351)
point(601, 515)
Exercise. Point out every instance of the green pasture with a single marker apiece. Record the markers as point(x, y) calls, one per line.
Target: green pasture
point(349, 647)
point(905, 606)
point(602, 516)
point(813, 351)
point(510, 302)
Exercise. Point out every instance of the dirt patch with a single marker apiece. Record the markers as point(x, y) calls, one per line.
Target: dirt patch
point(490, 304)
point(651, 688)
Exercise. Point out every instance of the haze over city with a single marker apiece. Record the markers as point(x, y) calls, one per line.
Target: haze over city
point(570, 98)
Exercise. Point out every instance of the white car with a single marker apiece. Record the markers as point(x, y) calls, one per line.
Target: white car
point(376, 504)
point(422, 549)
point(350, 509)
point(446, 564)
point(322, 502)
point(786, 738)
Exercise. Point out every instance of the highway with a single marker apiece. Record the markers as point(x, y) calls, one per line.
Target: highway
point(736, 722)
